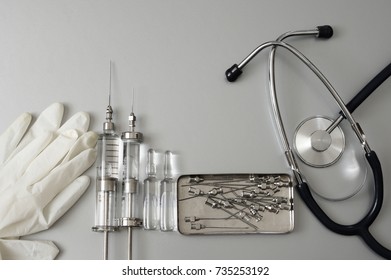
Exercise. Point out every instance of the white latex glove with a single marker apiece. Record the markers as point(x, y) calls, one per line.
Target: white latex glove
point(14, 249)
point(41, 177)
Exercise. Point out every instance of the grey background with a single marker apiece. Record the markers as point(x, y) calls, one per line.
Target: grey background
point(173, 54)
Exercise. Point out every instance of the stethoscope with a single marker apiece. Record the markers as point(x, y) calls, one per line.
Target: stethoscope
point(322, 138)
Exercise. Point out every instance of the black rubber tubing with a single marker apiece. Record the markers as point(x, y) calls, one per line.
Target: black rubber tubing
point(360, 228)
point(368, 89)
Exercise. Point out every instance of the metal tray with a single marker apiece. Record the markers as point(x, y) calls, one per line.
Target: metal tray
point(235, 204)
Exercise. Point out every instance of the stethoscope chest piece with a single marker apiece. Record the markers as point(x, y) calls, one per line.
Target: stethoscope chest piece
point(317, 147)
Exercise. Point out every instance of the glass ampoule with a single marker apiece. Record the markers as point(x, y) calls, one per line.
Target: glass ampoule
point(167, 196)
point(151, 194)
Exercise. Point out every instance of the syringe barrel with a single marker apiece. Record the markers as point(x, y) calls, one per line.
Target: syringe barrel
point(130, 181)
point(105, 211)
point(107, 183)
point(130, 159)
point(108, 156)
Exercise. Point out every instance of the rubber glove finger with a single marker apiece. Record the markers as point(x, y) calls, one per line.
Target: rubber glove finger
point(27, 250)
point(10, 138)
point(65, 200)
point(49, 120)
point(79, 121)
point(86, 141)
point(49, 158)
point(17, 165)
point(62, 176)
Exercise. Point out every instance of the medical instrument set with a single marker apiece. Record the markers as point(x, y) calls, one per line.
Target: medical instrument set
point(319, 141)
point(235, 203)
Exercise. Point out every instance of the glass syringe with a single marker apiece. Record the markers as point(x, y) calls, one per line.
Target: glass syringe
point(130, 156)
point(107, 178)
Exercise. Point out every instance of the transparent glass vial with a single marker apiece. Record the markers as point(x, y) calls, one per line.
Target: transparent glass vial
point(151, 194)
point(167, 196)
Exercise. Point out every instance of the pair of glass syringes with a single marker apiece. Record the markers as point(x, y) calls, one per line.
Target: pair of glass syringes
point(117, 184)
point(117, 180)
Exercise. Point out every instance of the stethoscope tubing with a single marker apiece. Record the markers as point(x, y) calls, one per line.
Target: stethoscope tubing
point(368, 89)
point(354, 229)
point(360, 228)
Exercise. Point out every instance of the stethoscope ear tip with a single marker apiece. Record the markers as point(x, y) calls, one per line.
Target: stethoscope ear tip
point(325, 31)
point(233, 73)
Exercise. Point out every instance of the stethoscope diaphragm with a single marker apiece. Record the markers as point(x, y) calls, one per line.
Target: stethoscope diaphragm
point(315, 146)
